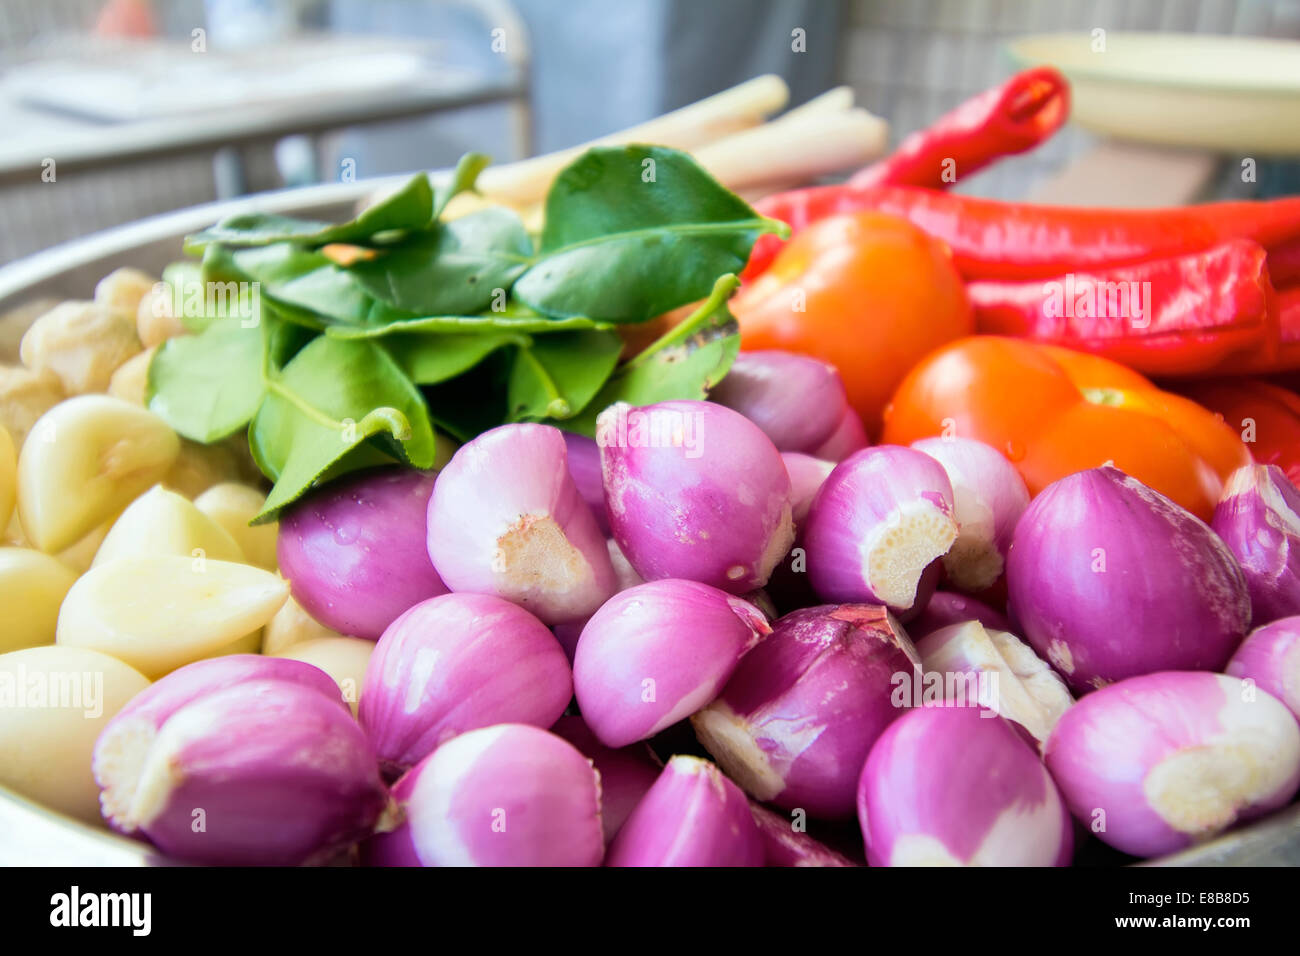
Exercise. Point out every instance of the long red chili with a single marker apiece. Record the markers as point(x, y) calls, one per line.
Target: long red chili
point(1177, 316)
point(1284, 263)
point(991, 239)
point(1286, 357)
point(1011, 118)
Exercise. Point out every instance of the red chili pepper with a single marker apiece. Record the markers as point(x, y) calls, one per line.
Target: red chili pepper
point(1011, 118)
point(990, 239)
point(1284, 263)
point(1286, 357)
point(1177, 316)
point(1266, 416)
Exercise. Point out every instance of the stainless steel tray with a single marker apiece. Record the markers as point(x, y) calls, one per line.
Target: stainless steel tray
point(33, 835)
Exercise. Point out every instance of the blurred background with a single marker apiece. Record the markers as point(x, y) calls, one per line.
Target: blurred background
point(114, 110)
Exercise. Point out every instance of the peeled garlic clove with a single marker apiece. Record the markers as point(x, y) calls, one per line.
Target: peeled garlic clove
point(344, 658)
point(122, 289)
point(232, 506)
point(131, 380)
point(86, 459)
point(82, 343)
point(155, 317)
point(32, 586)
point(54, 701)
point(198, 467)
point(8, 476)
point(24, 397)
point(292, 625)
point(162, 522)
point(250, 643)
point(81, 555)
point(160, 612)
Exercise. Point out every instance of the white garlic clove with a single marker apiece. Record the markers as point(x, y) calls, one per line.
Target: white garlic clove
point(131, 380)
point(86, 459)
point(122, 289)
point(163, 522)
point(155, 320)
point(8, 477)
point(56, 702)
point(32, 586)
point(82, 343)
point(158, 613)
point(198, 467)
point(24, 397)
point(292, 625)
point(343, 658)
point(232, 506)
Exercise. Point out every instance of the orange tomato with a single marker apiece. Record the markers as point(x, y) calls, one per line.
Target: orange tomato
point(867, 292)
point(1053, 412)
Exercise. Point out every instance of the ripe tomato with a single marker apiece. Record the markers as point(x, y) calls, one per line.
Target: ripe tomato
point(1266, 416)
point(867, 292)
point(1053, 412)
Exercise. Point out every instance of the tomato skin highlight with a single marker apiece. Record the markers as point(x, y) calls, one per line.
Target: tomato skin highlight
point(867, 292)
point(1054, 412)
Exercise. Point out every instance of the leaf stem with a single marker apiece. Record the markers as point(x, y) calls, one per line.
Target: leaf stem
point(722, 291)
point(311, 411)
point(557, 406)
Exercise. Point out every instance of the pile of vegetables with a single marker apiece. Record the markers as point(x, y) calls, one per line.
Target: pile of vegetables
point(367, 335)
point(523, 587)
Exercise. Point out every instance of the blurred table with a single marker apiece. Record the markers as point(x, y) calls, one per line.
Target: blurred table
point(98, 105)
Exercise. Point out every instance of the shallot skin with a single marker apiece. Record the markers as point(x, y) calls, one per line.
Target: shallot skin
point(695, 490)
point(656, 653)
point(692, 816)
point(796, 720)
point(799, 402)
point(784, 845)
point(877, 528)
point(1159, 762)
point(1108, 579)
point(950, 785)
point(455, 663)
point(265, 771)
point(506, 518)
point(1270, 656)
point(1258, 518)
point(506, 795)
point(354, 552)
point(989, 496)
point(949, 607)
point(626, 774)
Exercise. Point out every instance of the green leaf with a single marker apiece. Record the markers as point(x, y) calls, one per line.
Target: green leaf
point(457, 268)
point(558, 374)
point(432, 358)
point(685, 363)
point(462, 180)
point(411, 207)
point(329, 399)
point(636, 231)
point(307, 280)
point(485, 323)
point(208, 386)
